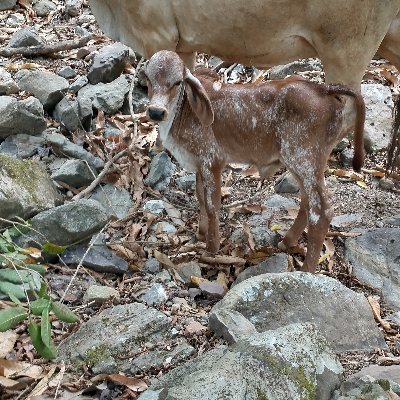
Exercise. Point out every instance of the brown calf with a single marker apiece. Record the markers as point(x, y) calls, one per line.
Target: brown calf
point(206, 124)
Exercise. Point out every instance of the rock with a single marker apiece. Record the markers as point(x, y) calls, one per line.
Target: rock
point(50, 93)
point(7, 83)
point(212, 290)
point(282, 71)
point(378, 123)
point(393, 220)
point(108, 97)
point(114, 334)
point(25, 188)
point(155, 295)
point(99, 258)
point(346, 157)
point(20, 116)
point(140, 101)
point(273, 264)
point(15, 20)
point(345, 220)
point(117, 201)
point(163, 276)
point(44, 7)
point(151, 266)
point(155, 207)
point(161, 171)
point(368, 388)
point(388, 372)
point(22, 146)
point(189, 269)
point(386, 183)
point(277, 201)
point(186, 183)
point(63, 146)
point(287, 183)
point(293, 362)
point(7, 4)
point(163, 227)
point(25, 37)
point(68, 224)
point(78, 83)
point(109, 63)
point(375, 260)
point(100, 294)
point(71, 115)
point(75, 173)
point(270, 301)
point(67, 72)
point(73, 7)
point(262, 235)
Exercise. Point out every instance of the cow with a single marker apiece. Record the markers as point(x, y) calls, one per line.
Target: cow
point(206, 124)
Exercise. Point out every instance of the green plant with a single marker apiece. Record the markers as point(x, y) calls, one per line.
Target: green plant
point(22, 278)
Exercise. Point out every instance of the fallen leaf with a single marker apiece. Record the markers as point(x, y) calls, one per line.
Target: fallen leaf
point(13, 369)
point(164, 260)
point(376, 310)
point(173, 213)
point(249, 236)
point(222, 260)
point(275, 227)
point(135, 384)
point(362, 184)
point(7, 341)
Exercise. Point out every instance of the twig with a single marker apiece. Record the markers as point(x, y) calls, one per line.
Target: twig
point(40, 50)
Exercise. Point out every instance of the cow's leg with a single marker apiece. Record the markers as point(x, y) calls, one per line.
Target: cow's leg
point(211, 178)
point(189, 60)
point(319, 218)
point(203, 218)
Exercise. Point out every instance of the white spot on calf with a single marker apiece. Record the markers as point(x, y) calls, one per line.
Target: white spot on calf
point(254, 122)
point(217, 86)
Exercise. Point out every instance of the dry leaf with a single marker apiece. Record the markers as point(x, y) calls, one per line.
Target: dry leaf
point(43, 384)
point(222, 280)
point(275, 227)
point(7, 341)
point(174, 214)
point(134, 384)
point(164, 260)
point(362, 184)
point(376, 310)
point(14, 369)
point(249, 236)
point(222, 260)
point(347, 174)
point(197, 280)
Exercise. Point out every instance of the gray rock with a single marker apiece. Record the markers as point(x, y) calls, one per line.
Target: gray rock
point(393, 220)
point(163, 227)
point(270, 301)
point(375, 260)
point(275, 264)
point(212, 290)
point(161, 170)
point(7, 83)
point(63, 146)
point(117, 201)
point(20, 116)
point(68, 224)
point(25, 37)
point(158, 358)
point(155, 295)
point(287, 183)
point(154, 394)
point(67, 72)
point(388, 372)
point(282, 71)
point(25, 188)
point(98, 258)
point(163, 276)
point(109, 63)
point(71, 115)
point(189, 269)
point(378, 123)
point(344, 220)
point(78, 83)
point(75, 173)
point(346, 157)
point(264, 237)
point(140, 101)
point(22, 146)
point(155, 207)
point(49, 94)
point(44, 7)
point(73, 7)
point(293, 362)
point(151, 266)
point(114, 334)
point(7, 4)
point(279, 202)
point(187, 183)
point(100, 294)
point(108, 97)
point(15, 20)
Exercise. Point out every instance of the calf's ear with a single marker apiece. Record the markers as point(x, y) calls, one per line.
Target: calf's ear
point(198, 99)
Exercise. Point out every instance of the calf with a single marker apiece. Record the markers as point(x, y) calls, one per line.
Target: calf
point(206, 124)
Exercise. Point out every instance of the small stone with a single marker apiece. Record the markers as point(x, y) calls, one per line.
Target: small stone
point(25, 37)
point(344, 220)
point(280, 202)
point(155, 295)
point(7, 4)
point(75, 173)
point(78, 83)
point(286, 183)
point(163, 276)
point(346, 157)
point(164, 227)
point(194, 292)
point(73, 7)
point(67, 72)
point(15, 20)
point(386, 184)
point(7, 83)
point(394, 220)
point(155, 207)
point(212, 290)
point(44, 7)
point(83, 52)
point(186, 183)
point(161, 170)
point(195, 328)
point(151, 266)
point(187, 270)
point(100, 294)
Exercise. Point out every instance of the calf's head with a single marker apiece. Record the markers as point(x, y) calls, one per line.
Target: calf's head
point(168, 81)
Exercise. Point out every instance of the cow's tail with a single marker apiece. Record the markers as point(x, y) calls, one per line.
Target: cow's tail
point(358, 139)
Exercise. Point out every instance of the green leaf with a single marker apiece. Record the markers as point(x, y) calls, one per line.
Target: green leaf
point(63, 313)
point(37, 306)
point(11, 316)
point(11, 275)
point(51, 248)
point(35, 333)
point(40, 269)
point(9, 288)
point(45, 330)
point(14, 299)
point(43, 294)
point(5, 247)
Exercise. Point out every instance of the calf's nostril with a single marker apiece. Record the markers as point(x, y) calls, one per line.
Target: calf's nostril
point(156, 114)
